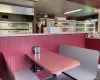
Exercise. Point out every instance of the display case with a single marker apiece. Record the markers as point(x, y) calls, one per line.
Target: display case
point(69, 26)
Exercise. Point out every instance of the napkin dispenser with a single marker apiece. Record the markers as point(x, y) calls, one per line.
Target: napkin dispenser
point(36, 50)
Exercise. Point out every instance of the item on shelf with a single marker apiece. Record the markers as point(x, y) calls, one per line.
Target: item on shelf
point(36, 50)
point(55, 24)
point(64, 29)
point(93, 34)
point(89, 35)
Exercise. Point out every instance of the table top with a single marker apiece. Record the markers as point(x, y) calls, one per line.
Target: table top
point(52, 62)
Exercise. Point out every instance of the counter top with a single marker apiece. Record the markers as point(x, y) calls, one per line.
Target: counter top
point(92, 38)
point(9, 35)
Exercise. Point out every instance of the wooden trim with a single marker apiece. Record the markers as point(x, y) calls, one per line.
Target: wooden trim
point(34, 21)
point(11, 75)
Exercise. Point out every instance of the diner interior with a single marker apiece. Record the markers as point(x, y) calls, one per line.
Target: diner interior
point(49, 40)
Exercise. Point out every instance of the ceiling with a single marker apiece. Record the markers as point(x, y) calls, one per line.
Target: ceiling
point(93, 3)
point(18, 2)
point(57, 7)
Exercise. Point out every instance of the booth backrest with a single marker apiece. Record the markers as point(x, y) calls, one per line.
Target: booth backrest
point(88, 58)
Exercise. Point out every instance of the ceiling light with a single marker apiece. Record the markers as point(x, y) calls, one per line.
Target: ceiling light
point(69, 12)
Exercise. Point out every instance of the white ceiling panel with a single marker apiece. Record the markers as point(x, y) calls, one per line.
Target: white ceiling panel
point(57, 7)
point(18, 2)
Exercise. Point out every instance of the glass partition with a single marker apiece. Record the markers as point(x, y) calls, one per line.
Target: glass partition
point(61, 26)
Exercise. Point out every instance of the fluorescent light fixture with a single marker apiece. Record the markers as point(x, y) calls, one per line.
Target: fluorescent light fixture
point(73, 11)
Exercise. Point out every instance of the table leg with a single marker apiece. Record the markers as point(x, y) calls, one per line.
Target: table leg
point(55, 76)
point(35, 67)
point(52, 78)
point(69, 76)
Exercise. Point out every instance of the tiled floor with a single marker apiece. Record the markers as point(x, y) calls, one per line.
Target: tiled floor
point(98, 76)
point(59, 77)
point(25, 74)
point(63, 77)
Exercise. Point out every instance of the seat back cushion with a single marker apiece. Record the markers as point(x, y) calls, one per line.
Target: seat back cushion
point(88, 58)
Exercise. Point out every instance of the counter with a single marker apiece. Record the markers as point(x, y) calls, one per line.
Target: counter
point(92, 38)
point(93, 43)
point(9, 35)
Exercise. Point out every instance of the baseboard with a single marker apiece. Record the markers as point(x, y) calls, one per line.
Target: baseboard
point(98, 66)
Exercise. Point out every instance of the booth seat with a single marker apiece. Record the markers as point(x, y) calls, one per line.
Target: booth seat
point(88, 62)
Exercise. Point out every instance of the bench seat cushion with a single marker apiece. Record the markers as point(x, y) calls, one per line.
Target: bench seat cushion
point(80, 74)
point(25, 74)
